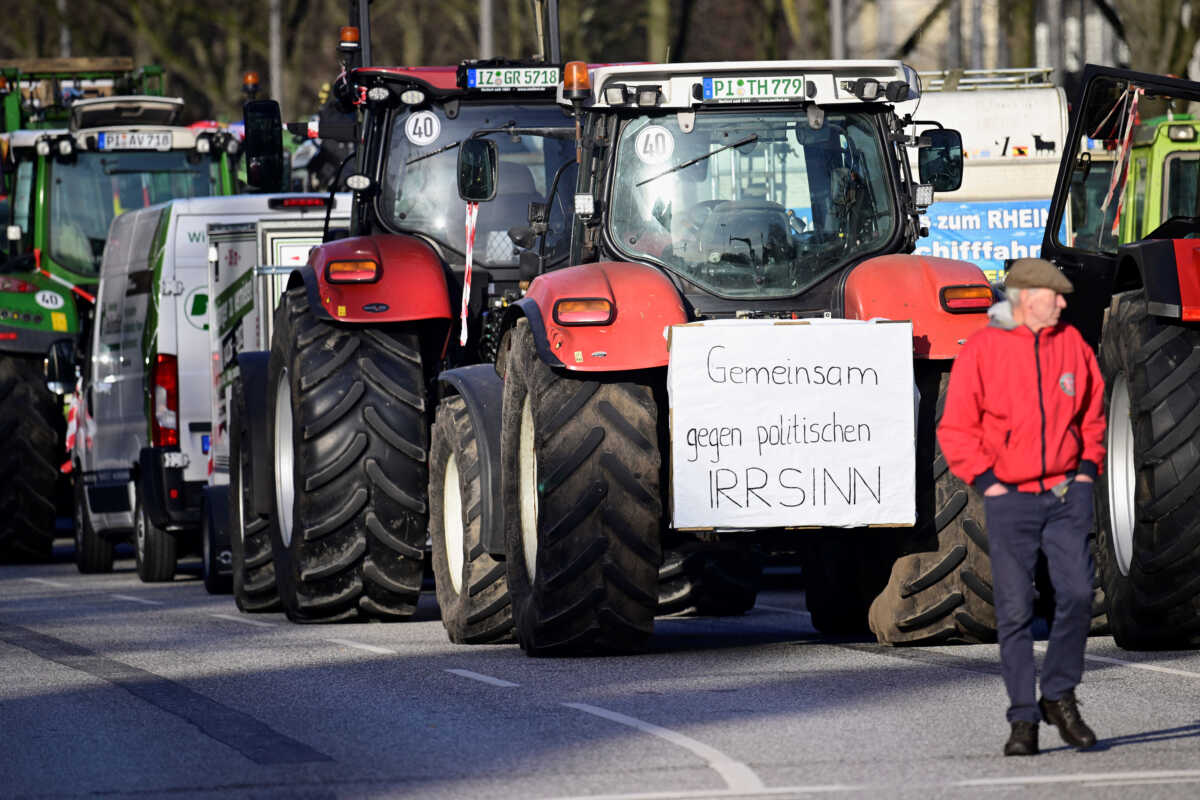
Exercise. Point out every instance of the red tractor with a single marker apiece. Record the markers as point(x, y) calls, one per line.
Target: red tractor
point(341, 407)
point(725, 194)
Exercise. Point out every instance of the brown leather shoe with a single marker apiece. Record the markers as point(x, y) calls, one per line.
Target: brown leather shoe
point(1023, 740)
point(1063, 713)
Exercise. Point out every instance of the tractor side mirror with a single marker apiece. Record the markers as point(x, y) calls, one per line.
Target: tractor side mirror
point(940, 159)
point(478, 168)
point(263, 146)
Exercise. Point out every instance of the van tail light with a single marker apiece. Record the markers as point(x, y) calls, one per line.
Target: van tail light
point(966, 299)
point(164, 423)
point(584, 311)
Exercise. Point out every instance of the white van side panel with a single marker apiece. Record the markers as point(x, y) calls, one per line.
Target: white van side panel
point(185, 334)
point(112, 424)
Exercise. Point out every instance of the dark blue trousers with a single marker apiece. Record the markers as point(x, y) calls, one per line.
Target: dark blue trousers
point(1019, 524)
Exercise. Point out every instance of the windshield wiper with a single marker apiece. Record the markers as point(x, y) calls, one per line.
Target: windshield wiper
point(433, 153)
point(751, 138)
point(512, 129)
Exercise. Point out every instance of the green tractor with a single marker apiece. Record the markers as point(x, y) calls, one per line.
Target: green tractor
point(84, 140)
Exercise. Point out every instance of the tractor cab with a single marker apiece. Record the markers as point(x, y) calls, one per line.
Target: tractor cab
point(121, 153)
point(760, 181)
point(418, 137)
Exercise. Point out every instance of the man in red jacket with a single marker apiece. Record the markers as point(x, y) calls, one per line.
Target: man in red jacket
point(1024, 424)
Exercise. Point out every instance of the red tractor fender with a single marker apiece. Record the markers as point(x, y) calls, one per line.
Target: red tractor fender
point(912, 287)
point(645, 304)
point(411, 283)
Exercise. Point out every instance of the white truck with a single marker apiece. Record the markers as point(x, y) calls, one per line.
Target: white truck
point(1014, 126)
point(249, 263)
point(142, 449)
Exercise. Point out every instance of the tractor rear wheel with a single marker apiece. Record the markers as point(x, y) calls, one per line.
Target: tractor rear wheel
point(472, 588)
point(940, 588)
point(347, 418)
point(32, 428)
point(1148, 546)
point(582, 506)
point(709, 582)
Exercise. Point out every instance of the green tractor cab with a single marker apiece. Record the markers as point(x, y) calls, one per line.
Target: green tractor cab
point(86, 141)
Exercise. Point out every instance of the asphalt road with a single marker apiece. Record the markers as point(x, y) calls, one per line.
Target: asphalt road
point(113, 687)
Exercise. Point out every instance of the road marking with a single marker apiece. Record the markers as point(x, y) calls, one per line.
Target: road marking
point(704, 794)
point(1149, 776)
point(1041, 648)
point(478, 676)
point(737, 776)
point(243, 620)
point(370, 648)
point(1083, 779)
point(254, 739)
point(45, 582)
point(782, 610)
point(141, 600)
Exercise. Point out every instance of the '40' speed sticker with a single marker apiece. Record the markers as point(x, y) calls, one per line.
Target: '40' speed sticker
point(422, 128)
point(654, 144)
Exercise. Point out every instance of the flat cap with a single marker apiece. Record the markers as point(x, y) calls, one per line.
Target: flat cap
point(1036, 273)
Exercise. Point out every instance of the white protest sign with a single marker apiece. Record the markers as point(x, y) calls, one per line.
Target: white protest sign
point(779, 424)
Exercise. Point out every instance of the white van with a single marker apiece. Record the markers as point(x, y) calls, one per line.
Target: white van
point(145, 416)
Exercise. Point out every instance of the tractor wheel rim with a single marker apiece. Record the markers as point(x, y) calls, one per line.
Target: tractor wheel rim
point(285, 487)
point(1121, 469)
point(527, 469)
point(454, 536)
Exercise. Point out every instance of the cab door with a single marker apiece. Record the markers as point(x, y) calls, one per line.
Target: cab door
point(1087, 214)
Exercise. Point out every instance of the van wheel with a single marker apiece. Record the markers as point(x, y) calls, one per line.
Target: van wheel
point(154, 547)
point(33, 429)
point(347, 419)
point(1148, 545)
point(472, 589)
point(940, 590)
point(217, 579)
point(254, 587)
point(93, 553)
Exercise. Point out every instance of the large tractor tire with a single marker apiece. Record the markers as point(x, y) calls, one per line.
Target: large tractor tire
point(582, 484)
point(940, 588)
point(155, 550)
point(93, 553)
point(472, 588)
point(347, 419)
point(709, 582)
point(843, 572)
point(32, 428)
point(250, 540)
point(1148, 509)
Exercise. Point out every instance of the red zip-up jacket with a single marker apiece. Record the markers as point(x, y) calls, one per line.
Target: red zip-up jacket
point(1022, 408)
